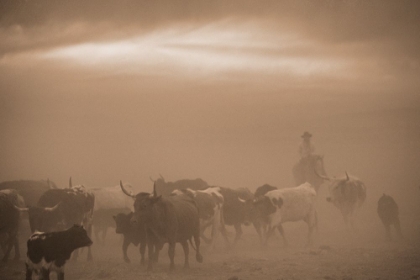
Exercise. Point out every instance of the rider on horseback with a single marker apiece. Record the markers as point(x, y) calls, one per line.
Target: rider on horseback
point(306, 148)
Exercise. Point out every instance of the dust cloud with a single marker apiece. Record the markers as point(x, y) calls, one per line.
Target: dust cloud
point(221, 91)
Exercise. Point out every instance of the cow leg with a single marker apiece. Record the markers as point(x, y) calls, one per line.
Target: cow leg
point(198, 256)
point(186, 253)
point(45, 274)
point(17, 251)
point(124, 249)
point(257, 226)
point(28, 272)
point(397, 226)
point(142, 250)
point(311, 221)
point(60, 275)
point(281, 231)
point(171, 254)
point(150, 250)
point(238, 235)
point(75, 255)
point(104, 230)
point(388, 231)
point(270, 232)
point(203, 227)
point(10, 242)
point(225, 235)
point(96, 231)
point(89, 232)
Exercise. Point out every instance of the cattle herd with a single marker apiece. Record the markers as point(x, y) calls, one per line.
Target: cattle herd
point(62, 220)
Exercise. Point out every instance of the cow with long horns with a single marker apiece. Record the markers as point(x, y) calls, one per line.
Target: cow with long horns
point(10, 203)
point(171, 220)
point(347, 194)
point(60, 209)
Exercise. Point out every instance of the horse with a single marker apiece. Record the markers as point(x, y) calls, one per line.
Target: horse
point(306, 170)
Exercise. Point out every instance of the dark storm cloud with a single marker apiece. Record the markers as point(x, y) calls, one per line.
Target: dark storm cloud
point(381, 37)
point(336, 21)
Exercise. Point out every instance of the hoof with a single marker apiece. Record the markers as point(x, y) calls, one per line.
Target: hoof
point(199, 258)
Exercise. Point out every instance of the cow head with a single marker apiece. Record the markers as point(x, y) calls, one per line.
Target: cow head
point(78, 237)
point(123, 222)
point(45, 219)
point(336, 187)
point(143, 203)
point(247, 209)
point(263, 206)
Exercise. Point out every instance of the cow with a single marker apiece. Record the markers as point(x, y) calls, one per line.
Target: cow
point(103, 220)
point(135, 234)
point(30, 190)
point(10, 203)
point(347, 194)
point(48, 252)
point(259, 221)
point(389, 215)
point(288, 205)
point(307, 170)
point(59, 209)
point(209, 202)
point(109, 201)
point(166, 188)
point(237, 209)
point(172, 219)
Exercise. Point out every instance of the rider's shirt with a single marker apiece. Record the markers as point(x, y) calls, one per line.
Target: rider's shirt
point(306, 149)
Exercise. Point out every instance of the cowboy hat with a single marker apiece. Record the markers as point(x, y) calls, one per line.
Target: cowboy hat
point(306, 135)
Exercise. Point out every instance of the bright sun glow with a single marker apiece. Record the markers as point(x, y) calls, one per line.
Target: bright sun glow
point(213, 48)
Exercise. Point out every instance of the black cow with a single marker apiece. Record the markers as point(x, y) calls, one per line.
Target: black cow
point(59, 209)
point(236, 208)
point(172, 219)
point(10, 200)
point(166, 188)
point(30, 190)
point(135, 234)
point(389, 215)
point(260, 220)
point(48, 252)
point(103, 219)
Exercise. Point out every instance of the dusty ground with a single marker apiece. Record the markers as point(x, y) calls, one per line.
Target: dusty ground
point(336, 255)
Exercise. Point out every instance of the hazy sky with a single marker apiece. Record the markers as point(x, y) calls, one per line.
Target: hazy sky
point(109, 90)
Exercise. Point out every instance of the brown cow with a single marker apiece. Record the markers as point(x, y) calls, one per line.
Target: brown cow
point(172, 219)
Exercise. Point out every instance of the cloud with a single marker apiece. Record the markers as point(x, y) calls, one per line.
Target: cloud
point(351, 40)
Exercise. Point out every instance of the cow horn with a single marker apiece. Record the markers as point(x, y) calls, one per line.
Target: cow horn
point(241, 200)
point(151, 179)
point(48, 183)
point(70, 183)
point(161, 177)
point(52, 209)
point(347, 176)
point(21, 209)
point(322, 176)
point(125, 191)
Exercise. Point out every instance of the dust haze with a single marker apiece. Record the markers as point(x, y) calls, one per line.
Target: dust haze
point(220, 90)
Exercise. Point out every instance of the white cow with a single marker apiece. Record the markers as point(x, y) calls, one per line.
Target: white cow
point(288, 205)
point(210, 204)
point(347, 194)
